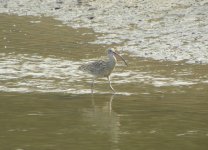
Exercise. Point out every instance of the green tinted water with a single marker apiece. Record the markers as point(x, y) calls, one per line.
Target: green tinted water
point(45, 103)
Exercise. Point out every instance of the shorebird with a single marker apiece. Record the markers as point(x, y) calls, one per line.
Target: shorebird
point(102, 68)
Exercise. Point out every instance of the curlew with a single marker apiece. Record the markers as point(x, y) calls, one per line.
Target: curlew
point(102, 68)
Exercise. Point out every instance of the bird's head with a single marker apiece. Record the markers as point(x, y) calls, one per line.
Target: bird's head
point(111, 52)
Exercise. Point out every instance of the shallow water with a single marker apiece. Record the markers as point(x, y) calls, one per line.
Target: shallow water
point(46, 102)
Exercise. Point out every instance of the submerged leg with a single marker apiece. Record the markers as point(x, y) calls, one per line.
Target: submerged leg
point(110, 84)
point(92, 85)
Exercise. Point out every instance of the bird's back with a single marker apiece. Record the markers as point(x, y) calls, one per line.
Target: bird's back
point(98, 68)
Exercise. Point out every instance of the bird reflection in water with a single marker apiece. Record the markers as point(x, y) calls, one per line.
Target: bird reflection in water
point(109, 106)
point(102, 117)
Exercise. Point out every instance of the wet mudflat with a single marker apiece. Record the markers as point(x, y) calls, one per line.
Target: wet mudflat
point(171, 30)
point(46, 102)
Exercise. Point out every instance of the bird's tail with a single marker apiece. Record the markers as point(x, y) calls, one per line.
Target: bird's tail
point(83, 68)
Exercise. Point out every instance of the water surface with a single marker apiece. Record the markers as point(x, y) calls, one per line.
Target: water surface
point(46, 102)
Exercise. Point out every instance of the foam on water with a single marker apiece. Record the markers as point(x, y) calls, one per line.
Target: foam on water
point(33, 73)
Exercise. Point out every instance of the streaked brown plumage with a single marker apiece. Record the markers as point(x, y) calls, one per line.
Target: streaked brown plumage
point(102, 68)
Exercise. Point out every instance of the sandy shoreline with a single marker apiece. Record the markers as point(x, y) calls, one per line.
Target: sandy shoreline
point(163, 30)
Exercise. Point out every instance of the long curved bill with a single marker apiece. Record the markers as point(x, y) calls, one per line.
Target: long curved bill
point(120, 57)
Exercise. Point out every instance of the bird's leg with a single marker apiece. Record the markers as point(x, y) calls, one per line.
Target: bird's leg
point(110, 103)
point(110, 84)
point(92, 85)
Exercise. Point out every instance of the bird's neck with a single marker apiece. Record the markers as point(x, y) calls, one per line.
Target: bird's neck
point(112, 59)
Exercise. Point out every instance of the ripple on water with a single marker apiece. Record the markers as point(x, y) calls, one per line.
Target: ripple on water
point(33, 73)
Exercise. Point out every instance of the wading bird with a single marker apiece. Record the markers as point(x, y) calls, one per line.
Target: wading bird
point(102, 68)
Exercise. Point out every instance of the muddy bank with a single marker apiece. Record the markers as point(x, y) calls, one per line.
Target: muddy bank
point(164, 30)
